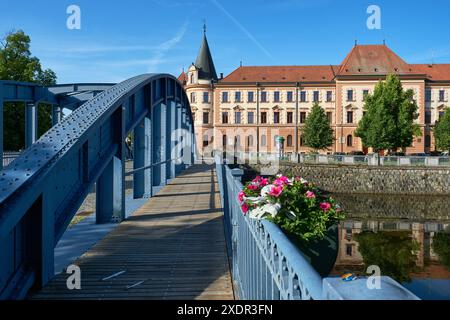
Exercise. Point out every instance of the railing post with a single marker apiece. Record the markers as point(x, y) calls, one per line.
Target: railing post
point(31, 124)
point(234, 212)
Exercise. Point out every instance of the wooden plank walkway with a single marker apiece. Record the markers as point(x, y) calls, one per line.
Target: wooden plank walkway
point(174, 243)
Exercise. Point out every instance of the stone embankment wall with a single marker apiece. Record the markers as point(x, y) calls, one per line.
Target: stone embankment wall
point(371, 180)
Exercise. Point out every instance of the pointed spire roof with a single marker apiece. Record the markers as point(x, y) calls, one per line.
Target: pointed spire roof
point(205, 62)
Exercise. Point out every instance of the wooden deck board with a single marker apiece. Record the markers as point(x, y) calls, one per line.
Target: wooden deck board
point(174, 243)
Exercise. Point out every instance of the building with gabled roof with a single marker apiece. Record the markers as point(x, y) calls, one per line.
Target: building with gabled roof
point(249, 108)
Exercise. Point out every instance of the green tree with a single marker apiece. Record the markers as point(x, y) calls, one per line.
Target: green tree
point(395, 252)
point(317, 133)
point(389, 117)
point(441, 246)
point(18, 64)
point(442, 132)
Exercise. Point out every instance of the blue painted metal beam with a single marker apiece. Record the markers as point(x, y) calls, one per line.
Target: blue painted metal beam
point(1, 126)
point(56, 115)
point(31, 124)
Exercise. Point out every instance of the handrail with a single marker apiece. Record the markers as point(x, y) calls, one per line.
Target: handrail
point(131, 172)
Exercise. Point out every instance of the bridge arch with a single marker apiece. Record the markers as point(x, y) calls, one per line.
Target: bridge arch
point(42, 189)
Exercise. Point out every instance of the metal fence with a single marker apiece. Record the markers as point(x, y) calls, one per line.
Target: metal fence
point(266, 265)
point(367, 160)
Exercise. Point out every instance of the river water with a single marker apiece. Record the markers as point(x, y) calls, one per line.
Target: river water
point(408, 237)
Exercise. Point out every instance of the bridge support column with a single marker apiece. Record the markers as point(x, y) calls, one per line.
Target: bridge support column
point(1, 126)
point(56, 115)
point(142, 158)
point(179, 164)
point(109, 193)
point(159, 144)
point(31, 124)
point(172, 112)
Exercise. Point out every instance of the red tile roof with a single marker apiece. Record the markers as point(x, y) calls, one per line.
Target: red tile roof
point(183, 77)
point(373, 60)
point(434, 72)
point(282, 74)
point(362, 60)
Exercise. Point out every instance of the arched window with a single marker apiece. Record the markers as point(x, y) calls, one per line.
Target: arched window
point(250, 141)
point(192, 78)
point(289, 141)
point(263, 140)
point(349, 140)
point(224, 140)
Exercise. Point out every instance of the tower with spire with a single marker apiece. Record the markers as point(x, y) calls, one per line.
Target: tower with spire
point(199, 84)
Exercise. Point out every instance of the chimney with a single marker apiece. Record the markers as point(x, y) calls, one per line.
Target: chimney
point(221, 75)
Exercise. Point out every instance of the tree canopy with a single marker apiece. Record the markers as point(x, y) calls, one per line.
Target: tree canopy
point(317, 133)
point(442, 132)
point(18, 64)
point(389, 119)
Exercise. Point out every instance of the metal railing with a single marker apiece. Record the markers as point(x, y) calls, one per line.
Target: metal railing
point(368, 160)
point(266, 265)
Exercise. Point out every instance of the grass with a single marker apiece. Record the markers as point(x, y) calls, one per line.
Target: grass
point(80, 217)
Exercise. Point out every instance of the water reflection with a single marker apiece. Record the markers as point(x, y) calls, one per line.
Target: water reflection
point(408, 237)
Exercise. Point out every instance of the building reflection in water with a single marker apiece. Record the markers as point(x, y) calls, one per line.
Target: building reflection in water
point(377, 216)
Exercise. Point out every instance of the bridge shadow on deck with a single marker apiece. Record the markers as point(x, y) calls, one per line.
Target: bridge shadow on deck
point(173, 247)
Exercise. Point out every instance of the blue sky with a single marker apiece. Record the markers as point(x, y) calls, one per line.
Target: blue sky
point(119, 39)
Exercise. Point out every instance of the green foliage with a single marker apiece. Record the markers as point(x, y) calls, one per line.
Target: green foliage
point(317, 133)
point(389, 119)
point(394, 252)
point(297, 206)
point(310, 222)
point(442, 132)
point(17, 64)
point(441, 246)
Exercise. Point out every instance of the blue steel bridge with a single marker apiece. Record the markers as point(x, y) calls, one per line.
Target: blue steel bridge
point(186, 238)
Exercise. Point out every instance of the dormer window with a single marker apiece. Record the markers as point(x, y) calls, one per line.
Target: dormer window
point(191, 81)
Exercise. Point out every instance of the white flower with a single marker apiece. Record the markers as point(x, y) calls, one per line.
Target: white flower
point(265, 191)
point(254, 200)
point(260, 212)
point(303, 181)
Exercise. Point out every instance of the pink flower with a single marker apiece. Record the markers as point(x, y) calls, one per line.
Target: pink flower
point(264, 182)
point(252, 187)
point(310, 195)
point(276, 191)
point(257, 179)
point(241, 196)
point(325, 206)
point(244, 208)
